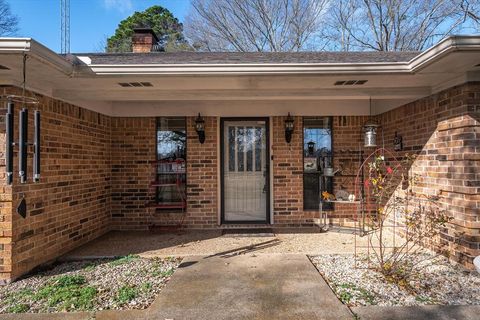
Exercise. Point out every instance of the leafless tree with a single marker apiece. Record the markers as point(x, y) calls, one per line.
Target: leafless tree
point(471, 10)
point(255, 25)
point(8, 21)
point(396, 25)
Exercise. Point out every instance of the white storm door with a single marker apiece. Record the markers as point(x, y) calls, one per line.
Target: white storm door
point(245, 171)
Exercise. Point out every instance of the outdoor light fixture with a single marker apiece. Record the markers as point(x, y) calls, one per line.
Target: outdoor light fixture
point(200, 128)
point(289, 128)
point(397, 142)
point(311, 147)
point(370, 130)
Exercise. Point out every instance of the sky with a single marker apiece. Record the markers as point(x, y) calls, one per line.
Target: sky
point(91, 21)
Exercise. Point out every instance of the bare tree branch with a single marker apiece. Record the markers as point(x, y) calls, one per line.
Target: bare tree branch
point(399, 25)
point(255, 25)
point(8, 21)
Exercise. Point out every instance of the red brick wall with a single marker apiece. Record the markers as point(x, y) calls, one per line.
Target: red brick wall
point(444, 131)
point(202, 175)
point(288, 170)
point(133, 150)
point(5, 211)
point(96, 175)
point(288, 175)
point(71, 204)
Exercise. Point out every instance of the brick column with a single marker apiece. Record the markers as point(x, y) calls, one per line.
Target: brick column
point(202, 175)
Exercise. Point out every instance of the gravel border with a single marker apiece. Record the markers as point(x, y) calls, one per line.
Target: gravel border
point(440, 283)
point(128, 282)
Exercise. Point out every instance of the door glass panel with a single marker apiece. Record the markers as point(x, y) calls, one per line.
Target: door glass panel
point(258, 149)
point(231, 149)
point(240, 149)
point(245, 189)
point(249, 145)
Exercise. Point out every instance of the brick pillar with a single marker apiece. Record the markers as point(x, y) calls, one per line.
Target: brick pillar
point(202, 175)
point(287, 173)
point(5, 211)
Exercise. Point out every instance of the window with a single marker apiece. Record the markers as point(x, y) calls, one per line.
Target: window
point(317, 155)
point(245, 148)
point(171, 163)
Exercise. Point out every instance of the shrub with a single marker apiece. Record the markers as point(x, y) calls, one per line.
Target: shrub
point(393, 205)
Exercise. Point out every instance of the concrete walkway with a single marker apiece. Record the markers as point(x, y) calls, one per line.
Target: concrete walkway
point(247, 287)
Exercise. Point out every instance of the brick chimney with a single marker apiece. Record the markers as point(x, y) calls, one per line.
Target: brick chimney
point(143, 40)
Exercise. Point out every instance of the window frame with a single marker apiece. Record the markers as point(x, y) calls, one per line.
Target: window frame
point(157, 189)
point(329, 206)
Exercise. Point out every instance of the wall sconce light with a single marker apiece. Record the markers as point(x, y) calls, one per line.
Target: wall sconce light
point(397, 142)
point(289, 122)
point(200, 128)
point(311, 147)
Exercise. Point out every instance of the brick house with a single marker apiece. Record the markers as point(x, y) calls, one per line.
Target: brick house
point(121, 151)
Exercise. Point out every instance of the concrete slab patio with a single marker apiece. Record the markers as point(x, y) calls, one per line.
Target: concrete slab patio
point(247, 287)
point(208, 242)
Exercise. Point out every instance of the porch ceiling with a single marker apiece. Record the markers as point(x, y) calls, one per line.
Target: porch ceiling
point(241, 89)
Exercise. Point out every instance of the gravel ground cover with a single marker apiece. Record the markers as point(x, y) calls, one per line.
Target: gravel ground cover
point(439, 283)
point(129, 282)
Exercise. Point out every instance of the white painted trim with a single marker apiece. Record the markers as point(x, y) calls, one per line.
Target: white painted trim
point(422, 60)
point(219, 172)
point(270, 145)
point(37, 51)
point(450, 44)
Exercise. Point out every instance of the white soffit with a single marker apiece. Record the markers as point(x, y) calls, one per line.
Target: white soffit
point(222, 89)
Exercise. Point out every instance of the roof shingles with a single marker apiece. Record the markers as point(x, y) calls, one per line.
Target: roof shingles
point(247, 57)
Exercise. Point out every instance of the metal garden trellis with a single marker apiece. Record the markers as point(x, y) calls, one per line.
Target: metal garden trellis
point(367, 214)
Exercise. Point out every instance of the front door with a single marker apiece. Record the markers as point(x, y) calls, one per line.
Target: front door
point(245, 170)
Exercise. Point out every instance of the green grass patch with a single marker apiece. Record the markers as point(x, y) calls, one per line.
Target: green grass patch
point(89, 266)
point(18, 308)
point(146, 287)
point(67, 293)
point(124, 260)
point(424, 299)
point(346, 291)
point(66, 281)
point(167, 273)
point(126, 294)
point(15, 301)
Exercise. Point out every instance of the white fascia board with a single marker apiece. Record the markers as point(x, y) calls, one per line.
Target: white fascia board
point(14, 45)
point(447, 45)
point(36, 50)
point(264, 68)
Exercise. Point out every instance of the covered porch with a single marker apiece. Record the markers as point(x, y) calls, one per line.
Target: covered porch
point(103, 115)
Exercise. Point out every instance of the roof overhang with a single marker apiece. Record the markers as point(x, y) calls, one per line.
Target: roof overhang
point(188, 88)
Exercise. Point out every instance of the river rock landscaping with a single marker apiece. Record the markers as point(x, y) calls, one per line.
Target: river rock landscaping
point(128, 282)
point(440, 282)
